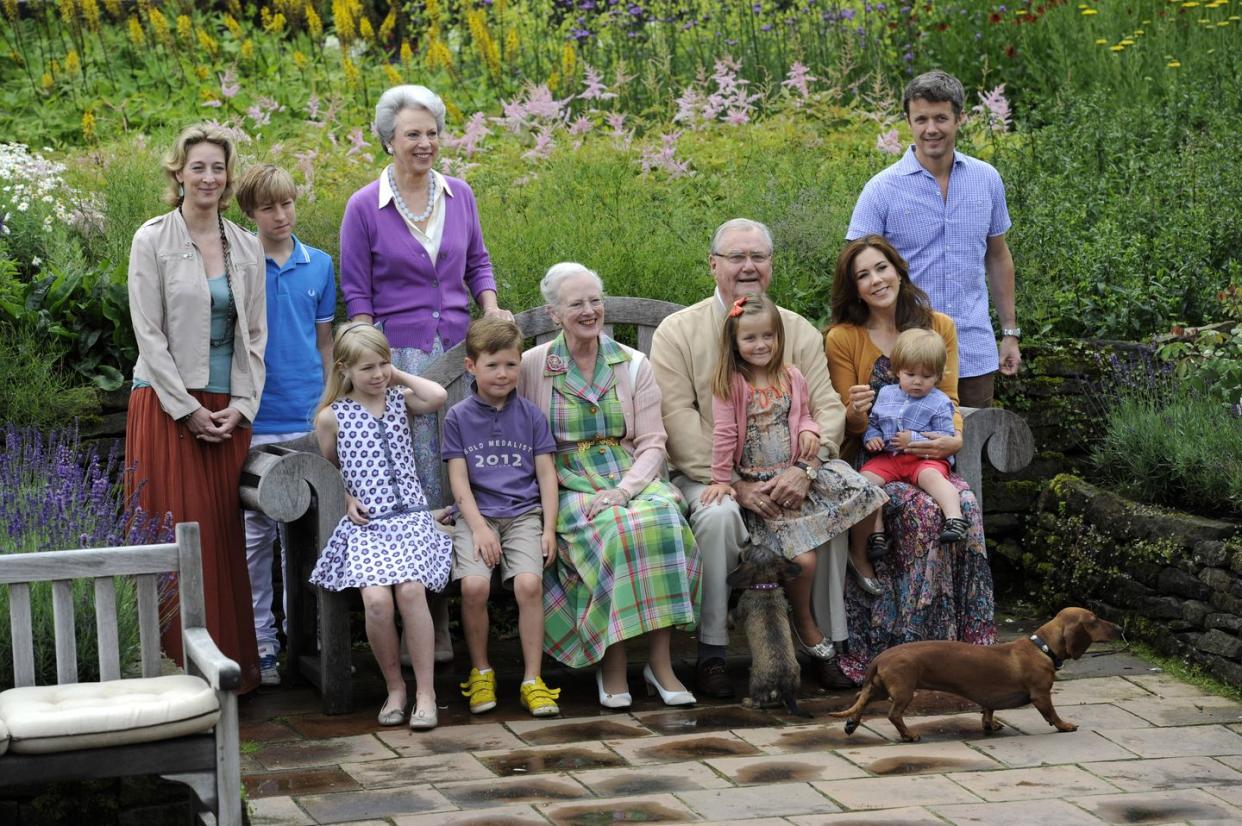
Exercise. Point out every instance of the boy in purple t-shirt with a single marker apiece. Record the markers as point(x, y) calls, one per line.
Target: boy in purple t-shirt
point(500, 450)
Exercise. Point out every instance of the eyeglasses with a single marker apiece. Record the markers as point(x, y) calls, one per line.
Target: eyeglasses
point(739, 258)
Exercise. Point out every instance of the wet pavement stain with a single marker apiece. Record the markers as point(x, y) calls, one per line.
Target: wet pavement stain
point(488, 820)
point(777, 773)
point(617, 813)
point(528, 761)
point(1153, 812)
point(701, 749)
point(927, 703)
point(917, 765)
point(811, 738)
point(578, 732)
point(486, 794)
point(641, 784)
point(957, 729)
point(707, 719)
point(298, 781)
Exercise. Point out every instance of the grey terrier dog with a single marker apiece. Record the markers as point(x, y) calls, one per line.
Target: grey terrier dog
point(763, 611)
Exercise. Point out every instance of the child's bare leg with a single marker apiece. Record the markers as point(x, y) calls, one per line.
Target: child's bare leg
point(382, 636)
point(798, 590)
point(420, 639)
point(528, 591)
point(474, 618)
point(660, 658)
point(942, 490)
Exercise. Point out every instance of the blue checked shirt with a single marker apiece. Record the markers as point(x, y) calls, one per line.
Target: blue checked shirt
point(894, 411)
point(943, 241)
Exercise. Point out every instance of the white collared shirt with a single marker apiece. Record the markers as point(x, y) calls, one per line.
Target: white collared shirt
point(429, 238)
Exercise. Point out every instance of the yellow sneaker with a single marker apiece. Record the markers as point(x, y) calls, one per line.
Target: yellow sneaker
point(540, 700)
point(480, 690)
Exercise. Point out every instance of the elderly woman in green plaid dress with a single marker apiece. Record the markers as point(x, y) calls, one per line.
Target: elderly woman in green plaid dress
point(628, 565)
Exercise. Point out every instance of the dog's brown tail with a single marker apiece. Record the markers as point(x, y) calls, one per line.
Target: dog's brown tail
point(854, 712)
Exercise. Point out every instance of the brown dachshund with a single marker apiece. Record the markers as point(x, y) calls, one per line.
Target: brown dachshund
point(1008, 675)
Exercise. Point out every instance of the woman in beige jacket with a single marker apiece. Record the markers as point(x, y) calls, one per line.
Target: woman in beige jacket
point(196, 296)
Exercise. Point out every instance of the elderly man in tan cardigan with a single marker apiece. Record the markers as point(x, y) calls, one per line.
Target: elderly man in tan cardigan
point(684, 353)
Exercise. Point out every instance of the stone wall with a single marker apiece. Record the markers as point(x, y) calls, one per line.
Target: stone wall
point(1173, 579)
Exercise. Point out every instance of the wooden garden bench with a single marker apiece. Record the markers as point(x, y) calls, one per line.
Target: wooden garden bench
point(181, 726)
point(305, 491)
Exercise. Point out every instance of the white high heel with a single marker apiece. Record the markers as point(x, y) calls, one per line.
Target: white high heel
point(670, 698)
point(619, 700)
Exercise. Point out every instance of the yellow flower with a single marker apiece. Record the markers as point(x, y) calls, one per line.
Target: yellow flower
point(453, 111)
point(1127, 42)
point(10, 10)
point(202, 72)
point(159, 25)
point(1089, 12)
point(511, 45)
point(73, 63)
point(483, 42)
point(276, 25)
point(68, 11)
point(438, 54)
point(432, 9)
point(114, 8)
point(1175, 64)
point(265, 17)
point(388, 26)
point(247, 50)
point(185, 29)
point(88, 127)
point(46, 82)
point(1118, 48)
point(1139, 32)
point(1101, 42)
point(90, 13)
point(136, 35)
point(314, 24)
point(207, 43)
point(407, 54)
point(365, 30)
point(1222, 23)
point(343, 20)
point(554, 81)
point(230, 23)
point(1191, 4)
point(300, 60)
point(393, 76)
point(352, 76)
point(569, 60)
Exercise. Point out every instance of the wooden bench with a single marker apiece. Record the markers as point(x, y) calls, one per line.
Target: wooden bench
point(305, 491)
point(182, 727)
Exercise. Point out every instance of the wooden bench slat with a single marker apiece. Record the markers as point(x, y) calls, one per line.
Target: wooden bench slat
point(149, 623)
point(66, 636)
point(22, 632)
point(144, 559)
point(105, 629)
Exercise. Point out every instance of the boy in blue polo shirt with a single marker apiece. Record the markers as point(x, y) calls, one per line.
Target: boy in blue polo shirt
point(301, 303)
point(499, 450)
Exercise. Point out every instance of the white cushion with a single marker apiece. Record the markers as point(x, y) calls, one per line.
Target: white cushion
point(4, 737)
point(50, 718)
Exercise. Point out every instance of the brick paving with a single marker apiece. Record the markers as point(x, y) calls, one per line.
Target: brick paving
point(1149, 749)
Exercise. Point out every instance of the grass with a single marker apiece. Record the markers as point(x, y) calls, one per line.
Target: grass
point(1187, 672)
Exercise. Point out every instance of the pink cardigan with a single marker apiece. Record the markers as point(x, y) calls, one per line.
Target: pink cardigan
point(640, 400)
point(729, 422)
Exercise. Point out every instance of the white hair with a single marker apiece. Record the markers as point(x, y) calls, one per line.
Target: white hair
point(550, 286)
point(407, 96)
point(739, 223)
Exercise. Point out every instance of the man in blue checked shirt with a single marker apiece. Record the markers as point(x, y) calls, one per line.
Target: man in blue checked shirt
point(945, 213)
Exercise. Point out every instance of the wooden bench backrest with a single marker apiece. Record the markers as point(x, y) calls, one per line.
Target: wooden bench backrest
point(101, 565)
point(644, 314)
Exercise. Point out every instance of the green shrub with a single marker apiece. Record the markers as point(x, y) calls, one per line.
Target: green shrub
point(34, 391)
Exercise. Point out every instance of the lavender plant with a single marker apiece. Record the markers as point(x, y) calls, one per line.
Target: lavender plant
point(59, 494)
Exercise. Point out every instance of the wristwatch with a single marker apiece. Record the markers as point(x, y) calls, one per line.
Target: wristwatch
point(1016, 332)
point(811, 473)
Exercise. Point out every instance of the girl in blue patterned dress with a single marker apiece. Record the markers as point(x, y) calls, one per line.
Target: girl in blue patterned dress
point(387, 544)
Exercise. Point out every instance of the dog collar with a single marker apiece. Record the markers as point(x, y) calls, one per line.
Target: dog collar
point(1057, 662)
point(765, 586)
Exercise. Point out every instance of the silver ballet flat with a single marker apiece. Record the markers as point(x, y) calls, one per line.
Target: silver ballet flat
point(868, 583)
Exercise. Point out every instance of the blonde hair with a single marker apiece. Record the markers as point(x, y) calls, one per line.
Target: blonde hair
point(264, 184)
point(352, 342)
point(919, 348)
point(174, 160)
point(731, 362)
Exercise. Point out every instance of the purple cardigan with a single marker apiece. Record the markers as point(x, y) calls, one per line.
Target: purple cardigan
point(387, 274)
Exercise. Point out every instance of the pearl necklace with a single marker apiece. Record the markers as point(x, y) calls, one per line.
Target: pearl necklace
point(400, 202)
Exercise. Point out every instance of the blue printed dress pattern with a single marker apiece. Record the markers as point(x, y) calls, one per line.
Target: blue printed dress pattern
point(401, 542)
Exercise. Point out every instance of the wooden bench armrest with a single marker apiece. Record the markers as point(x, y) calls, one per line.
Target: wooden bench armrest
point(201, 650)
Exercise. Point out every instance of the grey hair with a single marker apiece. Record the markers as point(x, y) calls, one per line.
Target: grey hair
point(739, 223)
point(550, 286)
point(407, 96)
point(935, 86)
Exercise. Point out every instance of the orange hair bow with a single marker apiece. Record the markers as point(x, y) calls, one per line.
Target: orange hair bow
point(737, 307)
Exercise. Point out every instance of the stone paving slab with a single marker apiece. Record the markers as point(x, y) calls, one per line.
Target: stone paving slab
point(780, 768)
point(319, 780)
point(278, 811)
point(1095, 690)
point(658, 808)
point(1160, 807)
point(883, 792)
point(906, 816)
point(941, 727)
point(1093, 717)
point(1017, 813)
point(450, 739)
point(918, 758)
point(775, 800)
point(507, 815)
point(814, 737)
point(1185, 711)
point(557, 758)
point(681, 748)
point(1080, 746)
point(654, 779)
point(577, 729)
point(705, 718)
point(1166, 773)
point(1180, 741)
point(403, 771)
point(1166, 685)
point(1229, 794)
point(1032, 784)
point(373, 803)
point(298, 754)
point(476, 794)
point(1233, 761)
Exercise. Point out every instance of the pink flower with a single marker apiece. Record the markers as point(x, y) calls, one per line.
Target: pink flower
point(690, 107)
point(889, 142)
point(994, 105)
point(514, 118)
point(229, 87)
point(214, 104)
point(358, 141)
point(581, 125)
point(474, 133)
point(799, 80)
point(312, 107)
point(595, 88)
point(664, 158)
point(543, 146)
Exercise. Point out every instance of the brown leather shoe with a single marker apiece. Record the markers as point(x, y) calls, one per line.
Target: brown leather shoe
point(712, 680)
point(831, 677)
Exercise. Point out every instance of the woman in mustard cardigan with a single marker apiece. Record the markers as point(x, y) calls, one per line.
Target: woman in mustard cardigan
point(925, 591)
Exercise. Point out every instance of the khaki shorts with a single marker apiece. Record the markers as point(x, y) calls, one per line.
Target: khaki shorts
point(520, 548)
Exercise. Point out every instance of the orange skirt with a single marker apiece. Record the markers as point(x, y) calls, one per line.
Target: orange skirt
point(197, 481)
